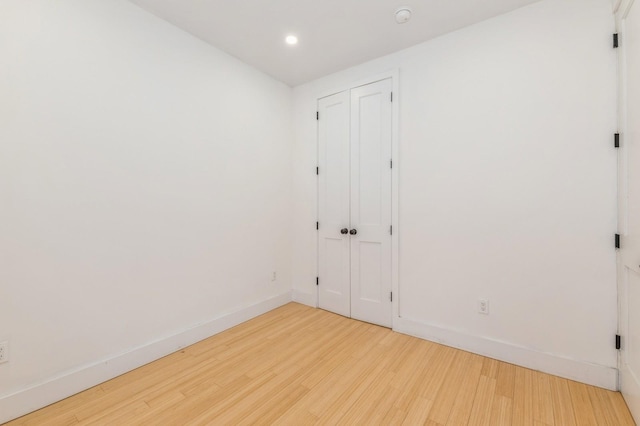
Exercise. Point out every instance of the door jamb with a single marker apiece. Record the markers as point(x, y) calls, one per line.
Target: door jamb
point(621, 11)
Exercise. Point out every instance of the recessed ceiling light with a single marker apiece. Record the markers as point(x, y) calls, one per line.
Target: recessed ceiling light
point(291, 39)
point(403, 15)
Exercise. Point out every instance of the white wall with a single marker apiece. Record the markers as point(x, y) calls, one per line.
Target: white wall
point(507, 187)
point(145, 185)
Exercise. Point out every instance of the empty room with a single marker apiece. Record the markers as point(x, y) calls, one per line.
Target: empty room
point(356, 212)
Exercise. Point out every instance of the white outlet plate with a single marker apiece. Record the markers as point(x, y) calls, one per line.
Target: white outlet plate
point(4, 352)
point(273, 276)
point(483, 306)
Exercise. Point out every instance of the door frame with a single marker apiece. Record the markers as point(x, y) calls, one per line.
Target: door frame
point(394, 75)
point(622, 8)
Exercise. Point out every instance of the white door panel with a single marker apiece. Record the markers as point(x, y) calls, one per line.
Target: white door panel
point(629, 266)
point(371, 203)
point(630, 330)
point(333, 180)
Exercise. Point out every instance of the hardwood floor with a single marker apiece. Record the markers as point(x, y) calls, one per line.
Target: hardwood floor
point(297, 365)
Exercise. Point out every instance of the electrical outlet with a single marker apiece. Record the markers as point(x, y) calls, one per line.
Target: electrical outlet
point(483, 306)
point(273, 276)
point(4, 352)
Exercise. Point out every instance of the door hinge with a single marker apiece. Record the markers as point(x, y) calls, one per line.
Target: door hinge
point(317, 115)
point(617, 241)
point(317, 280)
point(317, 170)
point(616, 41)
point(618, 342)
point(616, 140)
point(317, 225)
point(391, 96)
point(391, 296)
point(391, 164)
point(391, 230)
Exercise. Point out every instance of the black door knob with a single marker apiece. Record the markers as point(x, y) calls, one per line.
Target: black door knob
point(344, 231)
point(353, 231)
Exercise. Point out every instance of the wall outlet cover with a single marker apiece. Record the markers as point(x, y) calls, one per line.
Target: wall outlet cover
point(483, 306)
point(4, 352)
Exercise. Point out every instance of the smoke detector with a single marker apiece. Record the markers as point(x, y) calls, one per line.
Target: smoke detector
point(403, 15)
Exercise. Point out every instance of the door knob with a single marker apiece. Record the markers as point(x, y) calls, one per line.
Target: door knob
point(344, 231)
point(353, 231)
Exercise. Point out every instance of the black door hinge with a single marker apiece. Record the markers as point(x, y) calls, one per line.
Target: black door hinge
point(317, 115)
point(391, 96)
point(391, 164)
point(616, 140)
point(391, 296)
point(616, 42)
point(317, 280)
point(317, 170)
point(618, 342)
point(617, 241)
point(391, 230)
point(317, 225)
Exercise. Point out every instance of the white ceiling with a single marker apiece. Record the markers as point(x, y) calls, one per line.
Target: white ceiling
point(334, 34)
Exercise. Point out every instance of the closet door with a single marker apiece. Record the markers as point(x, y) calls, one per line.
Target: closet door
point(371, 203)
point(333, 204)
point(629, 207)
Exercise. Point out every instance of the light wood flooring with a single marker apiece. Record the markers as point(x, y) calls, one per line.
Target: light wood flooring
point(297, 365)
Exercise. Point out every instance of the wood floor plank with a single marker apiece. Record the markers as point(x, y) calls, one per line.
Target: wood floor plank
point(490, 368)
point(582, 407)
point(55, 414)
point(361, 410)
point(343, 402)
point(436, 373)
point(394, 417)
point(299, 365)
point(602, 407)
point(122, 416)
point(329, 392)
point(505, 381)
point(275, 407)
point(227, 405)
point(620, 408)
point(501, 410)
point(542, 399)
point(446, 396)
point(418, 411)
point(66, 419)
point(463, 405)
point(562, 405)
point(483, 402)
point(235, 410)
point(383, 407)
point(523, 397)
point(410, 377)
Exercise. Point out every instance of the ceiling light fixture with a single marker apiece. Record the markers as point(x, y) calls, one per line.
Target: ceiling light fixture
point(403, 15)
point(291, 40)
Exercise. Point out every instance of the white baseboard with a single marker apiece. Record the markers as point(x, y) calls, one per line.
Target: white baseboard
point(304, 298)
point(580, 371)
point(73, 381)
